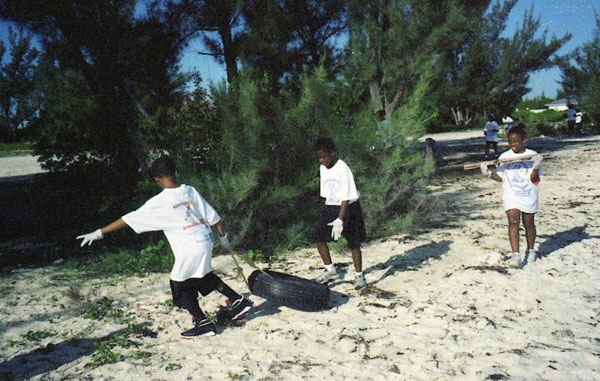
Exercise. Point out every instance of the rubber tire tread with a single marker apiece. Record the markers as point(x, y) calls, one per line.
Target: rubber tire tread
point(289, 290)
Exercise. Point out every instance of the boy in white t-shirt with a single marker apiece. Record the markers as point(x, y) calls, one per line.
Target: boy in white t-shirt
point(186, 219)
point(490, 130)
point(520, 195)
point(342, 214)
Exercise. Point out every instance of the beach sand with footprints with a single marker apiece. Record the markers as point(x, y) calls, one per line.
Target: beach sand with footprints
point(441, 303)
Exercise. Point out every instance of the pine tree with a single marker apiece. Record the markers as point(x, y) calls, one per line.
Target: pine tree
point(581, 76)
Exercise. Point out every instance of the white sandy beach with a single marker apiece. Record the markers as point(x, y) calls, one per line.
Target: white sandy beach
point(440, 305)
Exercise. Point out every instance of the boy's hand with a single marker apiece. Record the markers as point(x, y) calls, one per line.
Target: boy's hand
point(91, 237)
point(225, 242)
point(485, 170)
point(537, 160)
point(337, 227)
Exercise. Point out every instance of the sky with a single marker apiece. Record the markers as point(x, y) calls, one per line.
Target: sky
point(558, 17)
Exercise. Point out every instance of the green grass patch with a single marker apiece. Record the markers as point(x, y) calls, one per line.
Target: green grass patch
point(15, 149)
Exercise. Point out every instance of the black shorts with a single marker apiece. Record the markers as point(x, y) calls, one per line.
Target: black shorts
point(187, 291)
point(354, 225)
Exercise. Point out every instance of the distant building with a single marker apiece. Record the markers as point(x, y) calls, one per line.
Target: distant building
point(559, 104)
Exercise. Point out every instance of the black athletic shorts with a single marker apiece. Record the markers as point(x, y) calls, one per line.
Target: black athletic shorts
point(187, 291)
point(354, 225)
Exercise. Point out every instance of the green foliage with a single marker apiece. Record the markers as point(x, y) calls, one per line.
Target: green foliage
point(99, 310)
point(18, 98)
point(37, 335)
point(15, 149)
point(534, 103)
point(154, 257)
point(105, 353)
point(477, 69)
point(581, 77)
point(171, 366)
point(549, 122)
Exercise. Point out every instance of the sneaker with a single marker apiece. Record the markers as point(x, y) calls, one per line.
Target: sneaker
point(327, 276)
point(531, 255)
point(359, 282)
point(240, 307)
point(515, 260)
point(202, 328)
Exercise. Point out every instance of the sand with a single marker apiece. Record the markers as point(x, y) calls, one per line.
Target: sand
point(441, 304)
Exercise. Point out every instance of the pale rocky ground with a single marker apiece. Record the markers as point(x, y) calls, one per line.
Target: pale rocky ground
point(441, 304)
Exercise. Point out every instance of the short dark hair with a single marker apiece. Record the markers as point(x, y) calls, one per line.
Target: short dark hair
point(519, 129)
point(163, 167)
point(325, 144)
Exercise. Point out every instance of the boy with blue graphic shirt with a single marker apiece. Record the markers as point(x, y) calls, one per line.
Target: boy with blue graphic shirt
point(186, 218)
point(342, 214)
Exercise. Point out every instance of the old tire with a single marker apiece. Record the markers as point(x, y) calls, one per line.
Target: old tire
point(289, 290)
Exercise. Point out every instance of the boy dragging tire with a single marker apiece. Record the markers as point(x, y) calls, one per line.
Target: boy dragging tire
point(186, 218)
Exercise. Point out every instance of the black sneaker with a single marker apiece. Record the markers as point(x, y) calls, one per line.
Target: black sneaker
point(240, 307)
point(202, 328)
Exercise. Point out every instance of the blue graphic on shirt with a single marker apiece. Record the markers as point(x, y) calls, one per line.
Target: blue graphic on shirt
point(517, 177)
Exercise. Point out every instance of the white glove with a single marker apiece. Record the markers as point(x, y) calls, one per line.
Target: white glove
point(225, 242)
point(91, 237)
point(485, 170)
point(337, 227)
point(537, 160)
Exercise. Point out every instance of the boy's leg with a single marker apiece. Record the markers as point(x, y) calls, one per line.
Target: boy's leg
point(330, 273)
point(239, 304)
point(324, 253)
point(514, 215)
point(495, 144)
point(530, 231)
point(357, 259)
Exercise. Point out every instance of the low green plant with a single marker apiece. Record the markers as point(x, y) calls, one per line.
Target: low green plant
point(15, 149)
point(154, 257)
point(104, 355)
point(256, 255)
point(171, 366)
point(139, 355)
point(98, 310)
point(169, 303)
point(37, 335)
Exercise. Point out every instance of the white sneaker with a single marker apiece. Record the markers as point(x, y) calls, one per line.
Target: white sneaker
point(327, 276)
point(531, 256)
point(360, 282)
point(515, 260)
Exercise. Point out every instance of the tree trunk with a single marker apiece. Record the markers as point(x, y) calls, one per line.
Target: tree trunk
point(229, 52)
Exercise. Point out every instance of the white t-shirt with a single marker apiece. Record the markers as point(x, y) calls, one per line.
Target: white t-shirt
point(337, 184)
point(518, 192)
point(491, 131)
point(507, 120)
point(578, 117)
point(185, 218)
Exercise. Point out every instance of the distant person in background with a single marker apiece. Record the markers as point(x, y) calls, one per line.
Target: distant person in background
point(578, 122)
point(571, 117)
point(507, 123)
point(490, 130)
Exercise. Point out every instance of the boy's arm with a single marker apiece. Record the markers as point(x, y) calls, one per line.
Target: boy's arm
point(492, 174)
point(99, 233)
point(535, 174)
point(222, 235)
point(337, 225)
point(343, 209)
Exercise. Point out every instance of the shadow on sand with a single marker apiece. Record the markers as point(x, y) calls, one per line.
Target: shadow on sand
point(411, 260)
point(44, 359)
point(560, 240)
